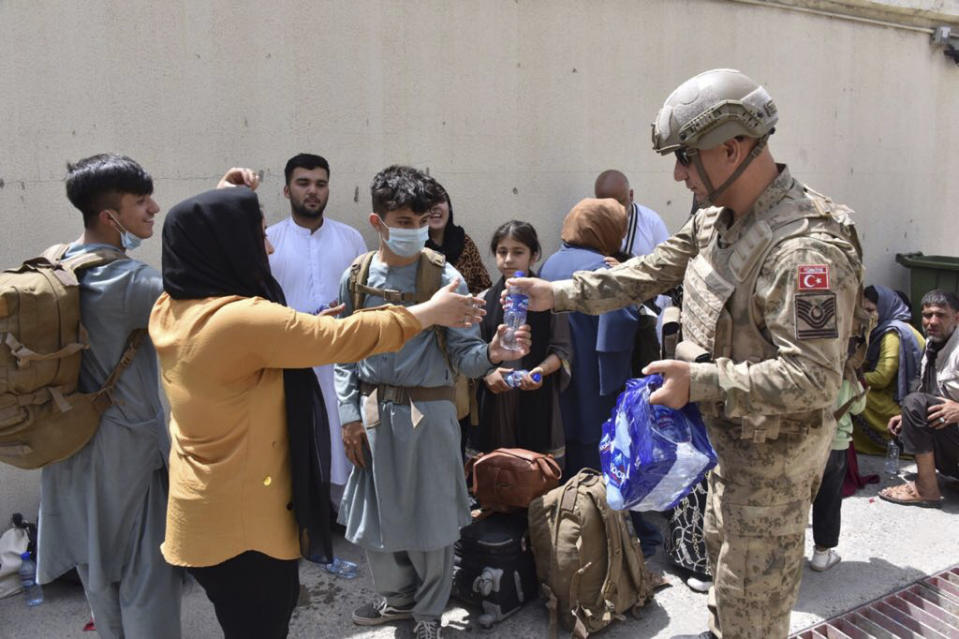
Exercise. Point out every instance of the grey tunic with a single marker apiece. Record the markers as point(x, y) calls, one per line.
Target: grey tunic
point(95, 503)
point(412, 496)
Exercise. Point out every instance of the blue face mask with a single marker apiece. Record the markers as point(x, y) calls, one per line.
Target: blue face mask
point(127, 239)
point(406, 242)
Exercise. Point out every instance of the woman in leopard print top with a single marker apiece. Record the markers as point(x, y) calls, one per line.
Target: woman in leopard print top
point(453, 242)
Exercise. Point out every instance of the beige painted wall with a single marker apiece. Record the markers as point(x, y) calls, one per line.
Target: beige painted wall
point(515, 105)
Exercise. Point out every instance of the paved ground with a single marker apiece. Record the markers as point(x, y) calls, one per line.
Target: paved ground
point(883, 546)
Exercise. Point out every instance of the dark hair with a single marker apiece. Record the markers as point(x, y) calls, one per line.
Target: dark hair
point(97, 182)
point(871, 294)
point(939, 297)
point(436, 192)
point(520, 231)
point(306, 161)
point(397, 187)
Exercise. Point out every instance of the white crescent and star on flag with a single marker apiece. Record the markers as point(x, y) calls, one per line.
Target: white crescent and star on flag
point(813, 277)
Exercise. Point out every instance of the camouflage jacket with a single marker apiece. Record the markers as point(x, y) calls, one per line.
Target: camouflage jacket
point(769, 296)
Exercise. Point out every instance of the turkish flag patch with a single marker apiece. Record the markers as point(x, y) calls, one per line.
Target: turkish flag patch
point(813, 277)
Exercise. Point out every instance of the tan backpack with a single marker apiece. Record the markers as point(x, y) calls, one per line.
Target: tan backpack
point(42, 418)
point(590, 568)
point(429, 279)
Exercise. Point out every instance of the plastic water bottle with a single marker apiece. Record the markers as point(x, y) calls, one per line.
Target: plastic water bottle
point(514, 315)
point(341, 568)
point(513, 379)
point(32, 591)
point(892, 458)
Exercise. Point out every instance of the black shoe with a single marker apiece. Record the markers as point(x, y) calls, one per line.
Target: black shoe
point(376, 613)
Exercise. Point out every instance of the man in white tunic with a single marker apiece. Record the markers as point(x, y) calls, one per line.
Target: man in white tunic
point(645, 229)
point(310, 254)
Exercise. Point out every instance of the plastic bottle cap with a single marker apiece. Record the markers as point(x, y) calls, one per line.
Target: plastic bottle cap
point(25, 554)
point(519, 274)
point(536, 377)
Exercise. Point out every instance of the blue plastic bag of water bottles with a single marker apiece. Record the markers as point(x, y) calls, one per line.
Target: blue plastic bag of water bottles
point(652, 455)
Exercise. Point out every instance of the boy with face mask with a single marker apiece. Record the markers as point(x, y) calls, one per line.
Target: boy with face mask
point(405, 500)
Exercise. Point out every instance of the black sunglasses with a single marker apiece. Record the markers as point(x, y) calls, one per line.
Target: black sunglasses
point(684, 155)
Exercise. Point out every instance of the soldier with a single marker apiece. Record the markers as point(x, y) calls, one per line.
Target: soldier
point(771, 272)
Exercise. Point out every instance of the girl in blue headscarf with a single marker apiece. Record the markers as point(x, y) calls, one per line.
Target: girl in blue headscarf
point(891, 367)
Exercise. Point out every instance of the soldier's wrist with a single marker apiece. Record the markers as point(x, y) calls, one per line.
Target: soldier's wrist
point(564, 292)
point(704, 383)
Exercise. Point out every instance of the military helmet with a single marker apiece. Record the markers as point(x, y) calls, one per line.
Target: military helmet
point(712, 107)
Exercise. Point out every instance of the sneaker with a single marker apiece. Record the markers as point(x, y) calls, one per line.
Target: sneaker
point(699, 585)
point(427, 630)
point(823, 560)
point(374, 614)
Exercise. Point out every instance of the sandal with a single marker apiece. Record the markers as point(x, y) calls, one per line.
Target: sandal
point(907, 495)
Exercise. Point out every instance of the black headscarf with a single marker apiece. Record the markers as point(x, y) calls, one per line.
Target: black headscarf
point(454, 238)
point(212, 247)
point(532, 407)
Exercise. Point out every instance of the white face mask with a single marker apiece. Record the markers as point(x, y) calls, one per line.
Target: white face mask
point(406, 242)
point(128, 239)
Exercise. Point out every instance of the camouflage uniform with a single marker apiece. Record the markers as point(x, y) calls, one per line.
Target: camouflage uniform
point(770, 297)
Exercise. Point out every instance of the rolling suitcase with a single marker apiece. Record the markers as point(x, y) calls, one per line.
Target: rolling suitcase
point(493, 567)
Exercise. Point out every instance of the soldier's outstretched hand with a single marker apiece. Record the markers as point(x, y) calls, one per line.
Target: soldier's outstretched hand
point(539, 291)
point(675, 389)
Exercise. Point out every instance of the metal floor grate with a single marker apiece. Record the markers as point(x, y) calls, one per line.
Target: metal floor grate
point(926, 608)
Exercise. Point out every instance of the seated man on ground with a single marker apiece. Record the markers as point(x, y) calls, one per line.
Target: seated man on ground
point(929, 424)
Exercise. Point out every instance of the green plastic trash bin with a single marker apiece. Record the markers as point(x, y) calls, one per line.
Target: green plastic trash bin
point(927, 272)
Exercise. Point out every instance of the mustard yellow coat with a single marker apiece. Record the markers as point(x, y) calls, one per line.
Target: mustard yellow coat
point(222, 363)
point(881, 405)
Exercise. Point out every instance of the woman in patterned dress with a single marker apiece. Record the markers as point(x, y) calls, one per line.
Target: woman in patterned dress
point(685, 545)
point(453, 242)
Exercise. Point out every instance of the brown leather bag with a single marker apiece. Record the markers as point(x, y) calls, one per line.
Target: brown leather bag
point(509, 478)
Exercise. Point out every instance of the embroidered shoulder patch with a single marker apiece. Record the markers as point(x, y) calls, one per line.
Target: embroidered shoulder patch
point(816, 316)
point(813, 277)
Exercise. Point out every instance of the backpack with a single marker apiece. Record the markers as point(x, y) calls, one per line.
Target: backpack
point(509, 478)
point(591, 570)
point(493, 568)
point(861, 320)
point(43, 419)
point(429, 279)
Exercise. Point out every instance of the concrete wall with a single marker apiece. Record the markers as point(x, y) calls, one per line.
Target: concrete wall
point(515, 105)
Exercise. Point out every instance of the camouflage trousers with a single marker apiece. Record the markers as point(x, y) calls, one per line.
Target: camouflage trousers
point(756, 515)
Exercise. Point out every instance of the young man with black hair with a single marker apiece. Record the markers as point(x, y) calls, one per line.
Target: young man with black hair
point(310, 253)
point(103, 509)
point(406, 500)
